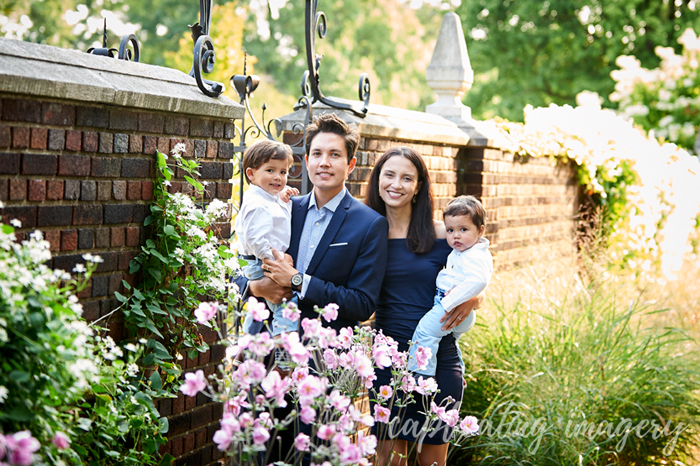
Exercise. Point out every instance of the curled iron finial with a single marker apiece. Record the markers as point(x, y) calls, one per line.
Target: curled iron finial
point(122, 53)
point(310, 84)
point(204, 56)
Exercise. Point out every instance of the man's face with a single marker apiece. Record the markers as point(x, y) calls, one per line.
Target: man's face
point(327, 163)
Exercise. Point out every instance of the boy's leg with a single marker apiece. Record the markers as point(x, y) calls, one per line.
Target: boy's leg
point(428, 334)
point(252, 271)
point(279, 323)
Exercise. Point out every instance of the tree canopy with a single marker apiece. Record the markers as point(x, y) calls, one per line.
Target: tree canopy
point(547, 51)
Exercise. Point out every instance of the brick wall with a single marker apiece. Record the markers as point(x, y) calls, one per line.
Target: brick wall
point(530, 203)
point(83, 175)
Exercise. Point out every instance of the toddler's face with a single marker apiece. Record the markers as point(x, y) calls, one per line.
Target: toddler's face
point(462, 234)
point(270, 176)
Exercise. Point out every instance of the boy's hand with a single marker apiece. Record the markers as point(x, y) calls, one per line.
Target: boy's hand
point(288, 192)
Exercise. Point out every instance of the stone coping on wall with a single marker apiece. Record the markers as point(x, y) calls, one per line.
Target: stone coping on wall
point(45, 71)
point(409, 125)
point(389, 123)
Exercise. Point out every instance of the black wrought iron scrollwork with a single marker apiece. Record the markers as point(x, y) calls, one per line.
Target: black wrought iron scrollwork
point(123, 53)
point(316, 23)
point(203, 51)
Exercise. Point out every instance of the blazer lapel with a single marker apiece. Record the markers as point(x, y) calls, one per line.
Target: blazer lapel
point(299, 211)
point(336, 222)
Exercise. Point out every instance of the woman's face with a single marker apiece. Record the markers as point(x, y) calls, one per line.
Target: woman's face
point(398, 182)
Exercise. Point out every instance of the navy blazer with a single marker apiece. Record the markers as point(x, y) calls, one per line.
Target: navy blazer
point(349, 264)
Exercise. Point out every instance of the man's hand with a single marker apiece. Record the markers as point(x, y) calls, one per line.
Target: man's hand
point(269, 290)
point(279, 269)
point(288, 192)
point(461, 312)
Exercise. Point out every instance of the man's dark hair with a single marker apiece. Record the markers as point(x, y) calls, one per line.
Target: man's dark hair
point(332, 123)
point(262, 152)
point(466, 205)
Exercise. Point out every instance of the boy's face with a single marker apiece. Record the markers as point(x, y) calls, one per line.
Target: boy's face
point(462, 234)
point(270, 176)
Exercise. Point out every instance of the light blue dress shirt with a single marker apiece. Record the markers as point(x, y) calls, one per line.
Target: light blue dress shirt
point(317, 220)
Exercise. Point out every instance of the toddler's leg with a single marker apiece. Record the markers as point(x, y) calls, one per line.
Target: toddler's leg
point(428, 334)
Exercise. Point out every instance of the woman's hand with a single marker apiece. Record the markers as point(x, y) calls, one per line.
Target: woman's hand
point(280, 269)
point(461, 312)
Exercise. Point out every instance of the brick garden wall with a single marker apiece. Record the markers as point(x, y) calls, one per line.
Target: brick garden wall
point(530, 204)
point(83, 175)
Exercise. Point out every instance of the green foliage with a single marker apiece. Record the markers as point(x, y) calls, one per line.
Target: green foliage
point(548, 51)
point(181, 263)
point(58, 377)
point(576, 361)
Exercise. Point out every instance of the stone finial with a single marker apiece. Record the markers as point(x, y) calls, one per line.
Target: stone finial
point(450, 74)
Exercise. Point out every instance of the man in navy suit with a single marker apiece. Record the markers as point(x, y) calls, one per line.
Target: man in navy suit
point(338, 245)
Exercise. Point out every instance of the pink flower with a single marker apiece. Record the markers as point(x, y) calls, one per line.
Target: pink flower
point(363, 365)
point(339, 401)
point(194, 383)
point(291, 311)
point(61, 440)
point(326, 337)
point(367, 444)
point(381, 356)
point(275, 387)
point(246, 420)
point(381, 414)
point(260, 435)
point(20, 447)
point(385, 392)
point(299, 353)
point(251, 371)
point(369, 381)
point(311, 327)
point(302, 442)
point(469, 425)
point(222, 439)
point(330, 312)
point(307, 415)
point(422, 356)
point(450, 417)
point(325, 432)
point(257, 310)
point(350, 454)
point(310, 387)
point(205, 312)
point(345, 337)
point(426, 386)
point(262, 344)
point(299, 375)
point(408, 383)
point(330, 358)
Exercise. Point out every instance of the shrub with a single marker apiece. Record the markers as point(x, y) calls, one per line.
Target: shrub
point(582, 366)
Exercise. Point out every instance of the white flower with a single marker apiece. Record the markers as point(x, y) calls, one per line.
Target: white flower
point(131, 347)
point(79, 268)
point(90, 258)
point(3, 393)
point(16, 223)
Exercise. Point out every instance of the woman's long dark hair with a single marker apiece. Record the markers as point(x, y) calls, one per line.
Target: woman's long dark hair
point(421, 231)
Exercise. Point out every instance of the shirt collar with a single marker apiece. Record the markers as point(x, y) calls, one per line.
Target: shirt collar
point(258, 191)
point(331, 205)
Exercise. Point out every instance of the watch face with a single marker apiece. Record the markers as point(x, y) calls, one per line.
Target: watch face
point(297, 279)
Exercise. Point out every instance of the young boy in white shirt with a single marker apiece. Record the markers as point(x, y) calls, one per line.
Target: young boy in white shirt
point(264, 221)
point(467, 273)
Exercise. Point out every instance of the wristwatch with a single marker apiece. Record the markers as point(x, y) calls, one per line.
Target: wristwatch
point(297, 280)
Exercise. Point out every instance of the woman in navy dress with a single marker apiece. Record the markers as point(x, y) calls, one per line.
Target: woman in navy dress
point(399, 189)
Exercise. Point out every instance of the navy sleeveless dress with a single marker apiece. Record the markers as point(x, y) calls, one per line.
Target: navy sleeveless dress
point(407, 294)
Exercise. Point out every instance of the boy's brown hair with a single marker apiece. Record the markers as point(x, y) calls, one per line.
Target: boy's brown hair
point(332, 123)
point(262, 152)
point(466, 205)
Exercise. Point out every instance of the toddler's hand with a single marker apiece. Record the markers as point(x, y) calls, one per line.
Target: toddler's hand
point(288, 192)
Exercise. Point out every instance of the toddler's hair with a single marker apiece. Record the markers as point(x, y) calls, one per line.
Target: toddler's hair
point(466, 205)
point(262, 152)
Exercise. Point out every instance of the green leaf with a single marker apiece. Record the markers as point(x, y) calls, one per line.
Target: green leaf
point(156, 382)
point(160, 256)
point(166, 460)
point(138, 295)
point(150, 219)
point(150, 326)
point(192, 354)
point(7, 229)
point(163, 425)
point(20, 413)
point(120, 297)
point(19, 376)
point(198, 186)
point(156, 310)
point(150, 244)
point(170, 230)
point(126, 285)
